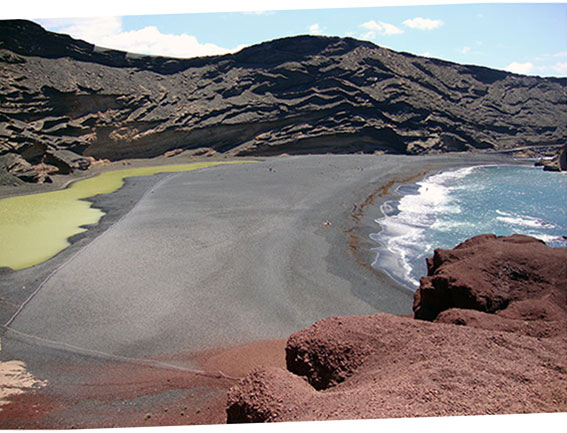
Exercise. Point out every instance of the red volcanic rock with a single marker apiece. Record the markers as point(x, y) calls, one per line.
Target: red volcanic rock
point(406, 368)
point(264, 393)
point(327, 352)
point(495, 274)
point(498, 322)
point(510, 357)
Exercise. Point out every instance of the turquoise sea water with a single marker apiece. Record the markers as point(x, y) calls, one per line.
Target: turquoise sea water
point(450, 207)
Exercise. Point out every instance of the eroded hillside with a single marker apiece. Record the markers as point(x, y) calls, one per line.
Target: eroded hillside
point(65, 103)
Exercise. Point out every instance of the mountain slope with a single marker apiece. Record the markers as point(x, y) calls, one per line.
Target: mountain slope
point(62, 99)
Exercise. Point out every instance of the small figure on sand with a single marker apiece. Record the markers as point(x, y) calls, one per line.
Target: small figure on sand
point(327, 223)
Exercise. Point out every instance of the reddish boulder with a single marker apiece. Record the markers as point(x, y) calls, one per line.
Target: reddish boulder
point(407, 368)
point(264, 394)
point(327, 352)
point(498, 322)
point(491, 274)
point(510, 358)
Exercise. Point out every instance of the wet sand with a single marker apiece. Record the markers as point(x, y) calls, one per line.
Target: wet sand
point(186, 263)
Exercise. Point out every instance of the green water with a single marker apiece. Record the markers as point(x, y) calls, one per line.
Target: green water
point(34, 228)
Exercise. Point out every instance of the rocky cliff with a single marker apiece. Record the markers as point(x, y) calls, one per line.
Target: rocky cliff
point(504, 282)
point(497, 345)
point(558, 162)
point(304, 94)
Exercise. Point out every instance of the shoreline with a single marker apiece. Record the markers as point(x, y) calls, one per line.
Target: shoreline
point(359, 241)
point(35, 227)
point(63, 181)
point(341, 260)
point(396, 196)
point(414, 188)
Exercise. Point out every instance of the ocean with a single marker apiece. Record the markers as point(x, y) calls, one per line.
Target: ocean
point(449, 207)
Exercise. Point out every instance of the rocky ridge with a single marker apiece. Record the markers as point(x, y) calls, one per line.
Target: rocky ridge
point(65, 103)
point(497, 345)
point(513, 283)
point(558, 162)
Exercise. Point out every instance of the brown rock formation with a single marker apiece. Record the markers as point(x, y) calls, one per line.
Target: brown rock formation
point(406, 368)
point(558, 163)
point(305, 94)
point(503, 275)
point(379, 366)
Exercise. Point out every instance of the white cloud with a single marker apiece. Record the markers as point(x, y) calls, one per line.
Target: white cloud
point(390, 29)
point(420, 23)
point(560, 68)
point(381, 28)
point(520, 68)
point(368, 35)
point(557, 69)
point(371, 25)
point(426, 54)
point(107, 32)
point(315, 29)
point(259, 13)
point(88, 29)
point(465, 50)
point(547, 56)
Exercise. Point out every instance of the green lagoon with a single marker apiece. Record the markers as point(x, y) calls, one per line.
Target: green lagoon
point(35, 227)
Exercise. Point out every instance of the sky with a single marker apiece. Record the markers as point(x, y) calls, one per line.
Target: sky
point(523, 38)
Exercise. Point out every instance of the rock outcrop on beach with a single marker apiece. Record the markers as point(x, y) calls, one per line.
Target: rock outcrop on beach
point(297, 95)
point(512, 283)
point(498, 345)
point(556, 163)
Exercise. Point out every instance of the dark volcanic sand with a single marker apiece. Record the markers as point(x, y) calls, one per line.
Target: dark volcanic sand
point(215, 258)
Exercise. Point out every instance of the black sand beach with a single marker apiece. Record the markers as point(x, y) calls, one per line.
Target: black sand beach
point(185, 265)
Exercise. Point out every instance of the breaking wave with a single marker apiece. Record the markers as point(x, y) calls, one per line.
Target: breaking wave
point(446, 208)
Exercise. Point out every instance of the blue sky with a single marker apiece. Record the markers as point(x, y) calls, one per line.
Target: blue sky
point(523, 38)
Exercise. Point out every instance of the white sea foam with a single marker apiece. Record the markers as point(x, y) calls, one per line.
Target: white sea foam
point(399, 239)
point(443, 210)
point(446, 226)
point(403, 233)
point(522, 220)
point(548, 239)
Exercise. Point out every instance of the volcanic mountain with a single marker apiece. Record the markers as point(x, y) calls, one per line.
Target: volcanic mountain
point(65, 103)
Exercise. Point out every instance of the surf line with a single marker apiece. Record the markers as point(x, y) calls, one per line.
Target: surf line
point(354, 238)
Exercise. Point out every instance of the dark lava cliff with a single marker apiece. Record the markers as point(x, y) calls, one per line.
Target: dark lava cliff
point(65, 102)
